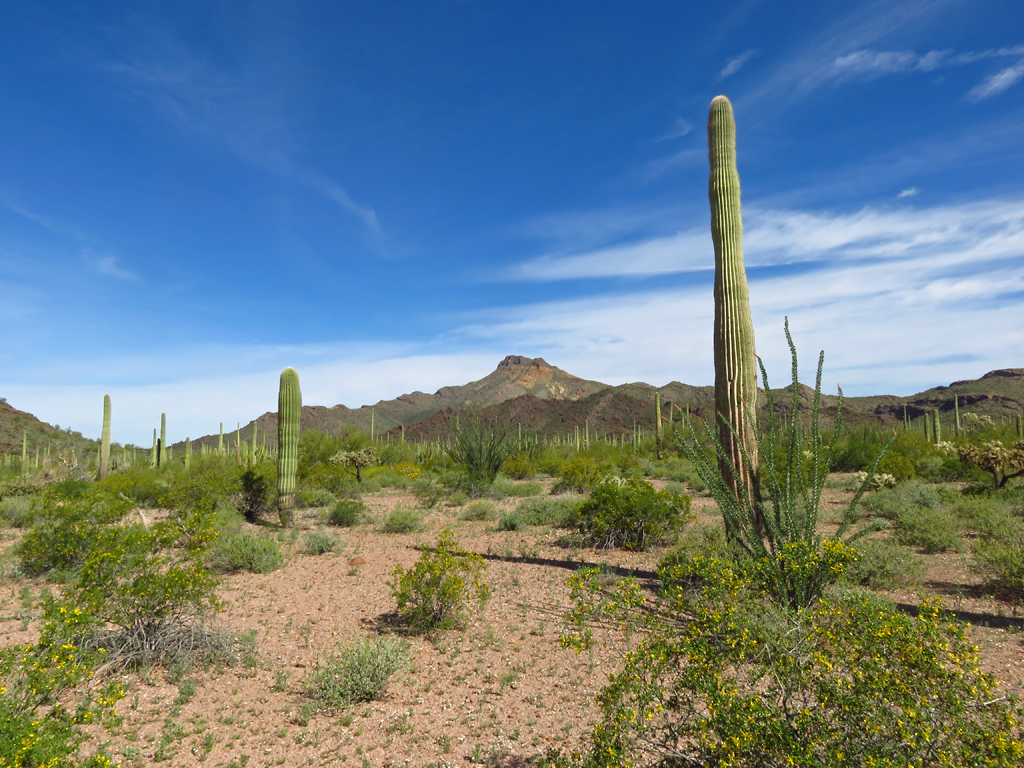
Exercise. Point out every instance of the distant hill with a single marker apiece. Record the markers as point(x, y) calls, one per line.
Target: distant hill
point(546, 400)
point(39, 434)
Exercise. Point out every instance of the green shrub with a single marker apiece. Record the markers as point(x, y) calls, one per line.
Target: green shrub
point(244, 552)
point(67, 529)
point(729, 676)
point(897, 465)
point(578, 475)
point(315, 497)
point(358, 672)
point(480, 446)
point(881, 564)
point(17, 511)
point(257, 491)
point(933, 529)
point(509, 521)
point(525, 490)
point(705, 541)
point(501, 488)
point(893, 502)
point(480, 510)
point(319, 543)
point(434, 592)
point(143, 485)
point(346, 512)
point(1000, 560)
point(562, 512)
point(632, 515)
point(457, 499)
point(520, 467)
point(401, 520)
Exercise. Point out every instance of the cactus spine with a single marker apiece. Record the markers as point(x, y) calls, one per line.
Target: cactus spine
point(289, 415)
point(735, 359)
point(105, 438)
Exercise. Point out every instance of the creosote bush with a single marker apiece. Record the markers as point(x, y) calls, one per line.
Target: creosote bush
point(358, 672)
point(319, 543)
point(346, 512)
point(631, 514)
point(401, 520)
point(434, 592)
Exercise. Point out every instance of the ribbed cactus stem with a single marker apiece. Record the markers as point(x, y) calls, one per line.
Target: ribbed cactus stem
point(956, 414)
point(24, 452)
point(161, 452)
point(735, 358)
point(238, 443)
point(289, 419)
point(152, 458)
point(657, 424)
point(105, 438)
point(938, 426)
point(220, 441)
point(188, 452)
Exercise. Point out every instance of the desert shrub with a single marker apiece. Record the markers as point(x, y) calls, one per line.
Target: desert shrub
point(578, 475)
point(520, 467)
point(631, 515)
point(897, 465)
point(45, 699)
point(457, 499)
point(319, 543)
point(244, 552)
point(314, 497)
point(480, 510)
point(337, 480)
point(434, 592)
point(17, 511)
point(357, 672)
point(933, 529)
point(562, 512)
point(257, 491)
point(882, 564)
point(525, 490)
point(346, 512)
point(501, 488)
point(727, 675)
point(678, 470)
point(387, 477)
point(509, 521)
point(428, 492)
point(674, 487)
point(401, 520)
point(1000, 561)
point(143, 485)
point(67, 529)
point(208, 484)
point(891, 503)
point(704, 540)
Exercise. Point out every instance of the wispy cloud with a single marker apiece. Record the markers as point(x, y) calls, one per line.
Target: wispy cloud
point(107, 265)
point(736, 64)
point(242, 114)
point(908, 192)
point(997, 83)
point(953, 234)
point(679, 129)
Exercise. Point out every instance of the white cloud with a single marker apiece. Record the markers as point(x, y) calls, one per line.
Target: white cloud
point(679, 129)
point(736, 64)
point(997, 83)
point(954, 234)
point(107, 265)
point(873, 63)
point(908, 192)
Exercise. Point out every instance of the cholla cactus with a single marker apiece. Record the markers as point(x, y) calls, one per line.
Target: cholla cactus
point(994, 457)
point(975, 422)
point(879, 481)
point(359, 460)
point(945, 447)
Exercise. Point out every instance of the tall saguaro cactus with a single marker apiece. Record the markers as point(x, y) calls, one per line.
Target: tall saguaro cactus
point(105, 438)
point(289, 415)
point(161, 453)
point(735, 359)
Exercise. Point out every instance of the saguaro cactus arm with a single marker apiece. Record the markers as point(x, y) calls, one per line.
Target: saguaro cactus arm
point(105, 439)
point(735, 359)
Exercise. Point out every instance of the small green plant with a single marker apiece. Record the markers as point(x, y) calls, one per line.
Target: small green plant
point(1000, 560)
point(346, 513)
point(244, 552)
point(563, 512)
point(932, 529)
point(525, 490)
point(434, 592)
point(480, 446)
point(480, 510)
point(319, 543)
point(315, 497)
point(881, 564)
point(357, 672)
point(401, 520)
point(631, 515)
point(256, 491)
point(510, 521)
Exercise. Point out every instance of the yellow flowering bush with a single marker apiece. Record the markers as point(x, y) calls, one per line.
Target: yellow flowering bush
point(727, 676)
point(43, 699)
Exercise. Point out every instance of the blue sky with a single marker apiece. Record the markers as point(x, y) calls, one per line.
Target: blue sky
point(392, 196)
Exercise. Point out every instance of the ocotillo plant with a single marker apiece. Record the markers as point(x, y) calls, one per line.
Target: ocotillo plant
point(289, 416)
point(105, 438)
point(735, 359)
